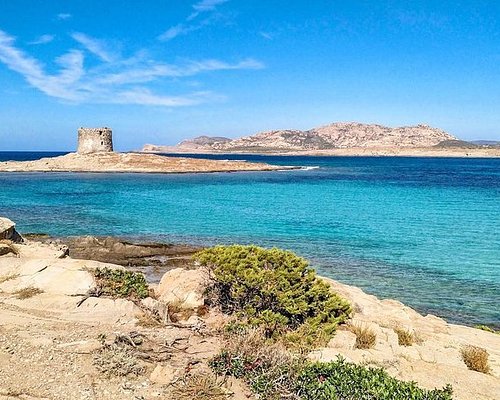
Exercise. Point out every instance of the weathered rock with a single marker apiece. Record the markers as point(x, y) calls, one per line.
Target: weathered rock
point(8, 230)
point(164, 374)
point(6, 249)
point(152, 259)
point(343, 340)
point(182, 287)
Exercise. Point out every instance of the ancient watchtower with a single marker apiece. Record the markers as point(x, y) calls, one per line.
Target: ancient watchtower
point(95, 140)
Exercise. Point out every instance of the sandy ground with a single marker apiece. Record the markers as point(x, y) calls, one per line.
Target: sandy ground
point(131, 162)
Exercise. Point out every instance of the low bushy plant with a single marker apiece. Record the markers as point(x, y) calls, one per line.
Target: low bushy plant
point(342, 380)
point(120, 283)
point(476, 358)
point(273, 289)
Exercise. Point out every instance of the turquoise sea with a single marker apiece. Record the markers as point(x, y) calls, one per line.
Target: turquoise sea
point(425, 231)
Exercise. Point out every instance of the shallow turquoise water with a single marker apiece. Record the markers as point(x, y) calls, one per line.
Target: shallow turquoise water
point(424, 231)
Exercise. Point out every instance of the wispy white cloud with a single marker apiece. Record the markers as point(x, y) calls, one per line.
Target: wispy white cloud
point(64, 16)
point(123, 81)
point(266, 35)
point(189, 25)
point(44, 39)
point(204, 6)
point(95, 46)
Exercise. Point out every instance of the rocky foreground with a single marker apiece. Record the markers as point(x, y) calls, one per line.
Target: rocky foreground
point(58, 337)
point(131, 162)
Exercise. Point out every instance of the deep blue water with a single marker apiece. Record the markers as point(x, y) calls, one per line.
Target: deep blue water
point(421, 230)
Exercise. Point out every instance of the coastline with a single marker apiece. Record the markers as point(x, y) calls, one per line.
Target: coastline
point(133, 163)
point(52, 327)
point(491, 152)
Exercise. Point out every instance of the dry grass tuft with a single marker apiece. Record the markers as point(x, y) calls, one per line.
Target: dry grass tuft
point(199, 387)
point(365, 337)
point(476, 358)
point(146, 320)
point(405, 337)
point(9, 277)
point(27, 292)
point(118, 361)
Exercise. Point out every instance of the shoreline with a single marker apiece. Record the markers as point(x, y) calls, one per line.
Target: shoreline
point(134, 163)
point(155, 257)
point(491, 152)
point(55, 330)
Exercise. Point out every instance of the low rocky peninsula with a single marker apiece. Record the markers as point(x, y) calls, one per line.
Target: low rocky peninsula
point(69, 330)
point(132, 162)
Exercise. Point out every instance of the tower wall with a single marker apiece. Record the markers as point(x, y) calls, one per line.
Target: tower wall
point(95, 140)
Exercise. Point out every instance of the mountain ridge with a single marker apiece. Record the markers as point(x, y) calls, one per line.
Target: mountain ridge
point(338, 135)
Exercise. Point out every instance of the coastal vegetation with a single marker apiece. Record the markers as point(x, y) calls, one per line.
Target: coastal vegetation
point(120, 283)
point(278, 302)
point(27, 292)
point(476, 358)
point(365, 337)
point(405, 337)
point(274, 372)
point(275, 290)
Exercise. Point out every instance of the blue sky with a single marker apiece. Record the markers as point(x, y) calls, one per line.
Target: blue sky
point(161, 71)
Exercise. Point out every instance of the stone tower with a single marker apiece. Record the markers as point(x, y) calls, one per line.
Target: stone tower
point(95, 140)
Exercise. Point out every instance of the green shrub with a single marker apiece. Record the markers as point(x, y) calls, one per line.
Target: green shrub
point(273, 289)
point(342, 380)
point(120, 283)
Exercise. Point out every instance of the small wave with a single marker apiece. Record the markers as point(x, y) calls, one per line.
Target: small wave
point(309, 168)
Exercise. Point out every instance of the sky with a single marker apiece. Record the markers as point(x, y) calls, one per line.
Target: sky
point(163, 71)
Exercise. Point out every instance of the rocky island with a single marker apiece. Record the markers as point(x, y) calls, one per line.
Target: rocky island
point(342, 139)
point(95, 154)
point(94, 330)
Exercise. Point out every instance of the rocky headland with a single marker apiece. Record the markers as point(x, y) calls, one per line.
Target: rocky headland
point(131, 162)
point(63, 337)
point(343, 139)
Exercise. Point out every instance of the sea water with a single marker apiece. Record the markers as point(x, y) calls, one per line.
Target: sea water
point(425, 231)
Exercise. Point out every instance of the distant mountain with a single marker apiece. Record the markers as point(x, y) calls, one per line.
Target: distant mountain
point(486, 142)
point(340, 135)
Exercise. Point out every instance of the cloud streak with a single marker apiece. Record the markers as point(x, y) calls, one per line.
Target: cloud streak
point(94, 46)
point(203, 6)
point(114, 80)
point(44, 39)
point(64, 16)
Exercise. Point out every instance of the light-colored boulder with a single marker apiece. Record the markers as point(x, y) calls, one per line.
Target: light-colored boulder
point(343, 340)
point(164, 374)
point(8, 230)
point(183, 287)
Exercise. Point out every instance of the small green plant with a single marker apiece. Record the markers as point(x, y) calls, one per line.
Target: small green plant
point(273, 289)
point(28, 292)
point(487, 329)
point(405, 337)
point(365, 337)
point(476, 358)
point(120, 283)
